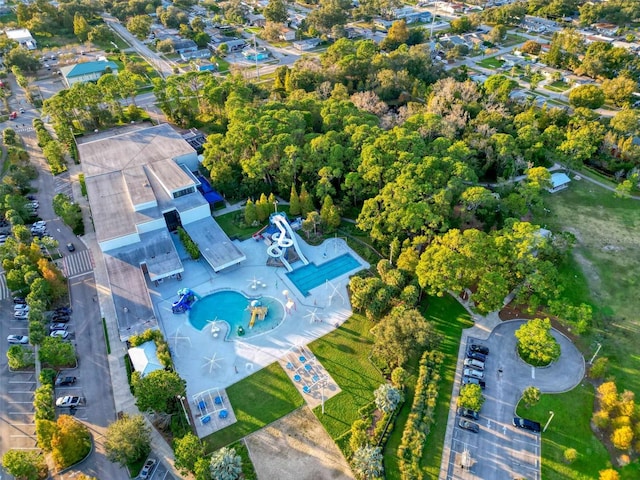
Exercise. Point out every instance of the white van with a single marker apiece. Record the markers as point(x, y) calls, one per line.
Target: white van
point(471, 363)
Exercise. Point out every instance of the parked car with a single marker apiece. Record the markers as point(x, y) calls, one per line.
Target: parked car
point(474, 381)
point(479, 348)
point(65, 381)
point(57, 326)
point(63, 334)
point(471, 363)
point(526, 424)
point(71, 247)
point(60, 318)
point(39, 224)
point(467, 425)
point(21, 315)
point(147, 468)
point(19, 300)
point(470, 372)
point(31, 197)
point(21, 306)
point(68, 401)
point(17, 339)
point(63, 310)
point(468, 413)
point(477, 356)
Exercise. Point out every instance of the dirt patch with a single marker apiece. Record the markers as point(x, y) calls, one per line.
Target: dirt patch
point(297, 446)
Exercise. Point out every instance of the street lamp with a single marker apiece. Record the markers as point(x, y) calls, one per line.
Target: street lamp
point(181, 398)
point(551, 414)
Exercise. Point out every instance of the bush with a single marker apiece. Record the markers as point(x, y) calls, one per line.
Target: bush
point(189, 244)
point(421, 416)
point(471, 397)
point(47, 376)
point(20, 357)
point(162, 347)
point(570, 455)
point(70, 213)
point(43, 403)
point(622, 438)
point(599, 368)
point(54, 154)
point(601, 419)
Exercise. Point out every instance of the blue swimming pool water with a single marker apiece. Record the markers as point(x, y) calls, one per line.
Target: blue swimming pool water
point(312, 275)
point(231, 307)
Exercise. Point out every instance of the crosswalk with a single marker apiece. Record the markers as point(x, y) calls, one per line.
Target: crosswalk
point(62, 184)
point(24, 129)
point(4, 290)
point(77, 263)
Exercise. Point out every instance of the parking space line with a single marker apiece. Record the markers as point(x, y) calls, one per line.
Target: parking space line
point(20, 391)
point(533, 372)
point(16, 402)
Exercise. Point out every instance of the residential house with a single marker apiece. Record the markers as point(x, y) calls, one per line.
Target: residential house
point(411, 15)
point(254, 55)
point(23, 37)
point(87, 72)
point(304, 45)
point(234, 45)
point(455, 40)
point(287, 34)
point(203, 53)
point(512, 60)
point(608, 29)
point(181, 46)
point(256, 20)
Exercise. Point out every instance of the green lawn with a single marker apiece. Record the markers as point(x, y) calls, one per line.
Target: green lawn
point(345, 354)
point(560, 86)
point(223, 65)
point(450, 319)
point(491, 62)
point(257, 401)
point(566, 430)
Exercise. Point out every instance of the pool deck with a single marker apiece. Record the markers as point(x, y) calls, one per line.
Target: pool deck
point(206, 359)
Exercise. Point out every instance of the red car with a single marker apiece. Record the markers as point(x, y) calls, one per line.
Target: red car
point(13, 115)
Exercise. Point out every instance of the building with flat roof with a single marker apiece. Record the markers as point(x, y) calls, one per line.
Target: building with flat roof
point(141, 188)
point(23, 37)
point(87, 71)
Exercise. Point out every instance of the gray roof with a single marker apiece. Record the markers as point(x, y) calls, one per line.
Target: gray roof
point(214, 245)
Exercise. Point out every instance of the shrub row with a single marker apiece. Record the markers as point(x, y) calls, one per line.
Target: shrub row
point(52, 150)
point(189, 245)
point(162, 347)
point(421, 417)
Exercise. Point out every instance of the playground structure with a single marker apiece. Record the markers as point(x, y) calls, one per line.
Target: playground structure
point(282, 240)
point(258, 311)
point(186, 300)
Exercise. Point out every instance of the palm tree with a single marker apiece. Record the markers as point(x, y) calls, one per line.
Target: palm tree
point(226, 465)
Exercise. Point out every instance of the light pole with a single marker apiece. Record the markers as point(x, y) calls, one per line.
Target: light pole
point(551, 414)
point(275, 205)
point(594, 355)
point(323, 382)
point(181, 398)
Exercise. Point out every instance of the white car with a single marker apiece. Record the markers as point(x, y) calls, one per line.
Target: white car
point(21, 315)
point(17, 339)
point(68, 401)
point(21, 307)
point(60, 334)
point(39, 224)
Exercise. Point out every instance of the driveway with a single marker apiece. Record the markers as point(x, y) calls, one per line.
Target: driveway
point(501, 451)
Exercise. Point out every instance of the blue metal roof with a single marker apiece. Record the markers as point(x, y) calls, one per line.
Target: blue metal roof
point(87, 68)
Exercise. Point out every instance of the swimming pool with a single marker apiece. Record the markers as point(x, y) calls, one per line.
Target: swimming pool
point(312, 275)
point(232, 307)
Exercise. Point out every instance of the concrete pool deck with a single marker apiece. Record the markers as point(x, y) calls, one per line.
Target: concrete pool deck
point(207, 360)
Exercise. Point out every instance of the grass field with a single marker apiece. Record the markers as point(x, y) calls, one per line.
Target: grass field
point(565, 432)
point(491, 62)
point(345, 354)
point(607, 256)
point(258, 400)
point(450, 319)
point(557, 86)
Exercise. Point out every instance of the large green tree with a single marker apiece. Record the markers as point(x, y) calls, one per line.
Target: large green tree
point(128, 440)
point(536, 344)
point(276, 11)
point(70, 443)
point(157, 391)
point(25, 464)
point(471, 397)
point(188, 450)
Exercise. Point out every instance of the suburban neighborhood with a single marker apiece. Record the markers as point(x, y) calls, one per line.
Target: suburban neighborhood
point(327, 240)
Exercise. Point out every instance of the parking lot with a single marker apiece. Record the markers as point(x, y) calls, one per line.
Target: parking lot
point(500, 451)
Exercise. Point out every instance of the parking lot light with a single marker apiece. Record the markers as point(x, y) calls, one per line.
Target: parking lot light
point(182, 398)
point(551, 414)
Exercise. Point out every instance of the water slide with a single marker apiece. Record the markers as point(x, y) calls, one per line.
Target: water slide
point(284, 239)
point(187, 298)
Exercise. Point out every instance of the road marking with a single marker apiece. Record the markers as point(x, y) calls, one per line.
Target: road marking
point(20, 391)
point(18, 402)
point(504, 430)
point(488, 423)
point(533, 373)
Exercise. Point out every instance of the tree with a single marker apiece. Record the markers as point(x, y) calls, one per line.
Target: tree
point(536, 345)
point(294, 202)
point(306, 202)
point(531, 47)
point(188, 450)
point(471, 397)
point(140, 25)
point(387, 398)
point(626, 122)
point(397, 35)
point(570, 455)
point(609, 474)
point(367, 462)
point(330, 215)
point(225, 464)
point(22, 58)
point(531, 396)
point(622, 437)
point(276, 11)
point(461, 25)
point(57, 353)
point(157, 391)
point(128, 439)
point(80, 27)
point(497, 34)
point(619, 90)
point(250, 213)
point(359, 437)
point(71, 442)
point(19, 357)
point(589, 96)
point(25, 464)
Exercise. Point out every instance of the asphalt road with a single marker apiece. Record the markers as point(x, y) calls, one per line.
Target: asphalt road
point(501, 451)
